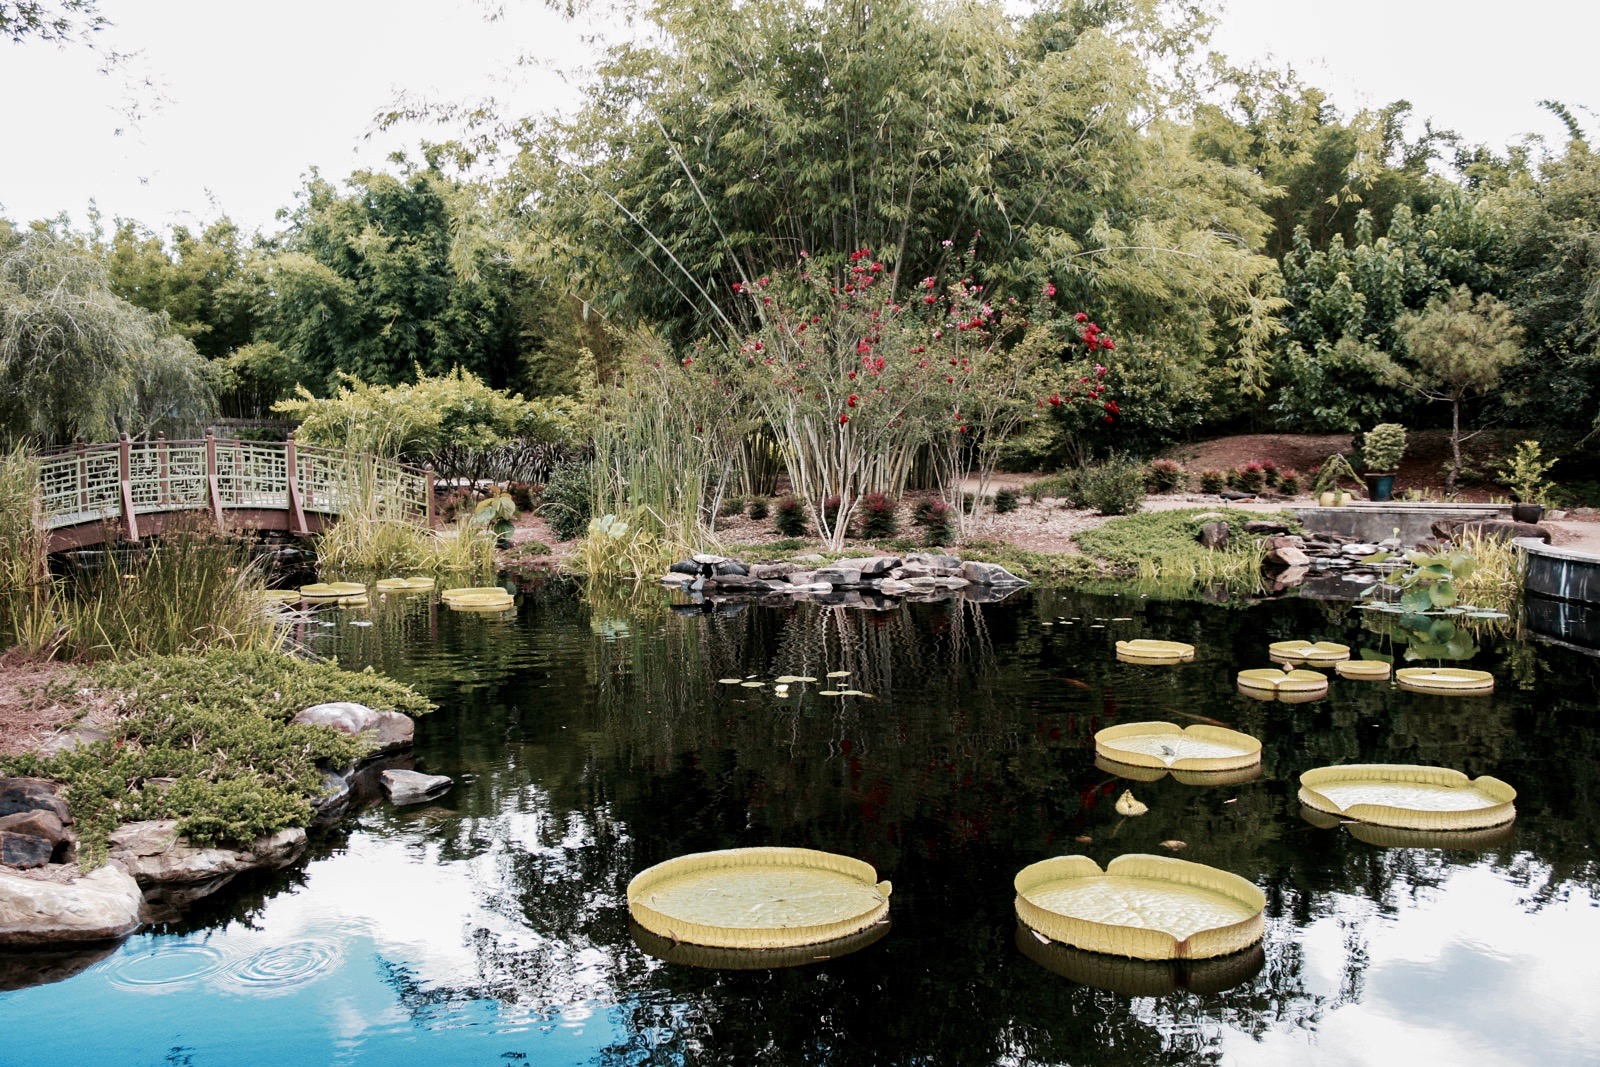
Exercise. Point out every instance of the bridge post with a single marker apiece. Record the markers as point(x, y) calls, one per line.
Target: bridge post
point(297, 507)
point(427, 495)
point(130, 522)
point(83, 473)
point(213, 490)
point(162, 470)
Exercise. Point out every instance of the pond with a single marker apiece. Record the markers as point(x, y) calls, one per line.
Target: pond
point(589, 742)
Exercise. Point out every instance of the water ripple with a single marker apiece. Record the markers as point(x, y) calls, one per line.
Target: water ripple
point(282, 968)
point(161, 969)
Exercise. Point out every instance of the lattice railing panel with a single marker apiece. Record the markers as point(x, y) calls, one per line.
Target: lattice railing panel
point(85, 485)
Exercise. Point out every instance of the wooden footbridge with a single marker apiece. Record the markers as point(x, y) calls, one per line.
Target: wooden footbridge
point(130, 489)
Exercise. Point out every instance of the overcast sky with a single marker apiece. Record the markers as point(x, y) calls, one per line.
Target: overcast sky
point(250, 96)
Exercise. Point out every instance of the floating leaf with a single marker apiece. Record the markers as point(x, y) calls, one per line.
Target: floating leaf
point(730, 681)
point(838, 674)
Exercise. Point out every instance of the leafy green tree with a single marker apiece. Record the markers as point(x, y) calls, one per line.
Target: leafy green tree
point(399, 274)
point(55, 21)
point(203, 282)
point(753, 133)
point(76, 359)
point(1460, 347)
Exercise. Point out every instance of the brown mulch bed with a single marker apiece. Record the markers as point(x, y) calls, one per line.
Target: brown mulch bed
point(39, 697)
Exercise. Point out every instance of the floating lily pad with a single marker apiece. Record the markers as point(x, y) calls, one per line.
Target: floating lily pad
point(1407, 796)
point(1144, 907)
point(480, 600)
point(752, 685)
point(838, 674)
point(729, 681)
point(281, 596)
point(1445, 681)
point(1135, 773)
point(1147, 650)
point(1167, 745)
point(332, 590)
point(1265, 683)
point(404, 585)
point(789, 679)
point(474, 590)
point(758, 898)
point(1363, 670)
point(1317, 653)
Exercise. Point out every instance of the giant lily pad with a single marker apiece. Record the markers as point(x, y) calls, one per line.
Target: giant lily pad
point(1167, 745)
point(1146, 650)
point(332, 590)
point(1135, 773)
point(1291, 687)
point(1364, 670)
point(404, 585)
point(758, 898)
point(1407, 796)
point(1446, 681)
point(1316, 653)
point(1144, 907)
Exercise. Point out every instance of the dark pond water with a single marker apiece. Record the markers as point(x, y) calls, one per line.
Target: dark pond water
point(588, 743)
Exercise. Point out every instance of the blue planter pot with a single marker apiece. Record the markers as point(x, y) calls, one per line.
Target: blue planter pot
point(1379, 486)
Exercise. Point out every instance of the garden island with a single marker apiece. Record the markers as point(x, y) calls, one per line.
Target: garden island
point(909, 534)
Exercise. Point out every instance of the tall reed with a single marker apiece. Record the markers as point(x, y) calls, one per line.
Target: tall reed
point(190, 591)
point(29, 600)
point(374, 536)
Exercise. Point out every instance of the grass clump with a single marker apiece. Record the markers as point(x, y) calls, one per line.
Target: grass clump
point(1162, 544)
point(219, 725)
point(789, 518)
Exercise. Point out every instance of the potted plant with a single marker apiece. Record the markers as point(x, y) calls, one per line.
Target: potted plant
point(1326, 486)
point(1524, 474)
point(1381, 449)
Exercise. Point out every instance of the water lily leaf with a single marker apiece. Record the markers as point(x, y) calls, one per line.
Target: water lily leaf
point(838, 674)
point(1416, 600)
point(1443, 594)
point(1375, 656)
point(1376, 557)
point(730, 681)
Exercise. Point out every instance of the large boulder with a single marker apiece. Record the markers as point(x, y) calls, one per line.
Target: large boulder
point(989, 574)
point(43, 824)
point(60, 904)
point(1285, 556)
point(870, 566)
point(772, 571)
point(33, 794)
point(383, 731)
point(414, 787)
point(24, 850)
point(934, 561)
point(1213, 535)
point(1495, 529)
point(155, 853)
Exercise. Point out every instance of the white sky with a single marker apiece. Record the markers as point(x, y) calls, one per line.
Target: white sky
point(256, 94)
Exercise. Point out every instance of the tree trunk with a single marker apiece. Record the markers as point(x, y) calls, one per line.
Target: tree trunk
point(1455, 445)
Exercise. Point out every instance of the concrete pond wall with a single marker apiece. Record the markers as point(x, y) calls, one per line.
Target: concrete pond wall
point(1372, 522)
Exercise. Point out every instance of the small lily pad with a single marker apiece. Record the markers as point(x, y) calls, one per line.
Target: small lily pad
point(838, 674)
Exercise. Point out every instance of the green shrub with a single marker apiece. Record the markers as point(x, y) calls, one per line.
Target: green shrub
point(1005, 501)
point(875, 516)
point(1271, 473)
point(730, 506)
point(1213, 481)
point(938, 522)
point(1115, 487)
point(1382, 447)
point(758, 508)
point(1252, 478)
point(922, 507)
point(567, 501)
point(1289, 481)
point(789, 516)
point(1166, 476)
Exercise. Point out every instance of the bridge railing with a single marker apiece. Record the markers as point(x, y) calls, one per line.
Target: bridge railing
point(118, 482)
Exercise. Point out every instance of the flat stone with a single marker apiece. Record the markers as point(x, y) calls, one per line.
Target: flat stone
point(678, 578)
point(1498, 529)
point(154, 852)
point(835, 575)
point(1283, 541)
point(43, 824)
point(871, 566)
point(1287, 556)
point(771, 571)
point(895, 587)
point(737, 583)
point(989, 574)
point(1213, 535)
point(62, 904)
point(413, 787)
point(33, 794)
point(729, 568)
point(1261, 526)
point(934, 560)
point(939, 582)
point(24, 850)
point(383, 731)
point(1358, 550)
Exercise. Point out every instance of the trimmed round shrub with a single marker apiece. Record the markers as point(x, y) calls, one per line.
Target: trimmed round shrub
point(1289, 482)
point(875, 516)
point(565, 502)
point(1252, 477)
point(789, 517)
point(938, 521)
point(1115, 487)
point(1213, 481)
point(758, 508)
point(1005, 501)
point(1166, 476)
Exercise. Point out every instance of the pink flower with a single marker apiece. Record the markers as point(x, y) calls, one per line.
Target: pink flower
point(1080, 317)
point(846, 418)
point(1049, 289)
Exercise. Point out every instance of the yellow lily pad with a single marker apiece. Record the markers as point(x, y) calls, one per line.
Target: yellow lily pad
point(1141, 906)
point(404, 585)
point(1198, 747)
point(1140, 978)
point(1408, 796)
point(332, 590)
point(472, 591)
point(1146, 650)
point(281, 596)
point(1364, 670)
point(838, 674)
point(1265, 683)
point(1446, 681)
point(1317, 653)
point(758, 898)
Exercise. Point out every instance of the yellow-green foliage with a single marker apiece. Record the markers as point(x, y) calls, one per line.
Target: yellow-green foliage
point(416, 420)
point(219, 725)
point(28, 599)
point(1163, 544)
point(616, 547)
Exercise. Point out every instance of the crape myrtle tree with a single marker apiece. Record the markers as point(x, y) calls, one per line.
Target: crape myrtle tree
point(750, 133)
